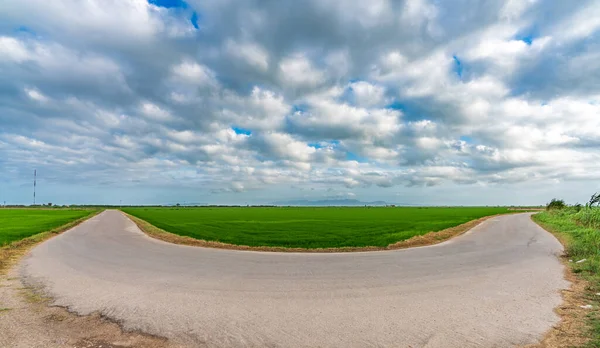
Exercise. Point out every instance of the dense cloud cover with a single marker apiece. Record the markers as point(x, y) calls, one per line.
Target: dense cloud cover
point(222, 101)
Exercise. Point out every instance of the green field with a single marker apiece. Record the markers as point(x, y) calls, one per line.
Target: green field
point(16, 224)
point(295, 227)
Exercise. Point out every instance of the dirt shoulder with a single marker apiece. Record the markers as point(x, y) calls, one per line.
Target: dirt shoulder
point(29, 320)
point(572, 330)
point(416, 241)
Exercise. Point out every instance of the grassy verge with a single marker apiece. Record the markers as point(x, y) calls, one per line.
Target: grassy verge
point(418, 240)
point(579, 231)
point(11, 252)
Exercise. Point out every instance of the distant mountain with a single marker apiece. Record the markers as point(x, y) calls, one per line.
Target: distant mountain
point(186, 204)
point(330, 202)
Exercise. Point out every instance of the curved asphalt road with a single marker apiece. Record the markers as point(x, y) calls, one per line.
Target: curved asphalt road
point(495, 286)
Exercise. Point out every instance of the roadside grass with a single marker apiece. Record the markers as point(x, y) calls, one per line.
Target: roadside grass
point(308, 227)
point(20, 229)
point(579, 231)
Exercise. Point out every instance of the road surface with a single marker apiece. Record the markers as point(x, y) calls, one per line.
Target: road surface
point(495, 286)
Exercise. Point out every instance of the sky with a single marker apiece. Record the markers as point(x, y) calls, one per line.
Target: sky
point(417, 102)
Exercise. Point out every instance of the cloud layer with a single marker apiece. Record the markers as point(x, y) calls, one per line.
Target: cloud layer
point(411, 101)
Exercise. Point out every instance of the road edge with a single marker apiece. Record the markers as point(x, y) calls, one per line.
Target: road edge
point(569, 332)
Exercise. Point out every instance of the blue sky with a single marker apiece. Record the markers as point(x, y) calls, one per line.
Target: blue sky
point(411, 102)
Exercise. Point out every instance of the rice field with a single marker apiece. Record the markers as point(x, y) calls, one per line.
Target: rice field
point(308, 227)
point(16, 224)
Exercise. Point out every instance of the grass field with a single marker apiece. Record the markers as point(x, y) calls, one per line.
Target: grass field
point(579, 230)
point(16, 224)
point(294, 227)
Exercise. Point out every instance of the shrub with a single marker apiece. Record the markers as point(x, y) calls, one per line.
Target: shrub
point(589, 218)
point(595, 199)
point(556, 204)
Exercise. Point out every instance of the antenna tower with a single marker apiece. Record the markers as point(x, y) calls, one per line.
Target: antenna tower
point(34, 179)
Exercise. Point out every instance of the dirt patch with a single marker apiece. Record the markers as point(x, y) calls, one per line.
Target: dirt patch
point(30, 321)
point(423, 240)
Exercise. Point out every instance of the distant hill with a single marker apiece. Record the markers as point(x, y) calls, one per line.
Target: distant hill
point(186, 204)
point(330, 202)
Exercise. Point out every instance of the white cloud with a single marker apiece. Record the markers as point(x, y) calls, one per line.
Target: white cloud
point(13, 49)
point(332, 120)
point(298, 71)
point(155, 112)
point(261, 110)
point(367, 94)
point(193, 73)
point(250, 53)
point(583, 23)
point(366, 14)
point(36, 95)
point(500, 96)
point(97, 21)
point(513, 9)
point(419, 12)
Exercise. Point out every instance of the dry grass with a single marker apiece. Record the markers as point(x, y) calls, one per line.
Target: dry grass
point(426, 239)
point(11, 253)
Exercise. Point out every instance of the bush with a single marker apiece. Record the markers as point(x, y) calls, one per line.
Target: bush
point(556, 204)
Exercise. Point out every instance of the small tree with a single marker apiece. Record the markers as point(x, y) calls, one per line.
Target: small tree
point(556, 204)
point(595, 199)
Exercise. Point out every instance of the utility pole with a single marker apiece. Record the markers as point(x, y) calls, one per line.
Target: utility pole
point(34, 179)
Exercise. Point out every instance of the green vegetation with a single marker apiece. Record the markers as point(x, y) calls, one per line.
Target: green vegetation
point(579, 229)
point(295, 227)
point(16, 224)
point(556, 204)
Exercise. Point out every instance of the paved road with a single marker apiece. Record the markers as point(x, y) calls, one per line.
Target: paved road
point(495, 286)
